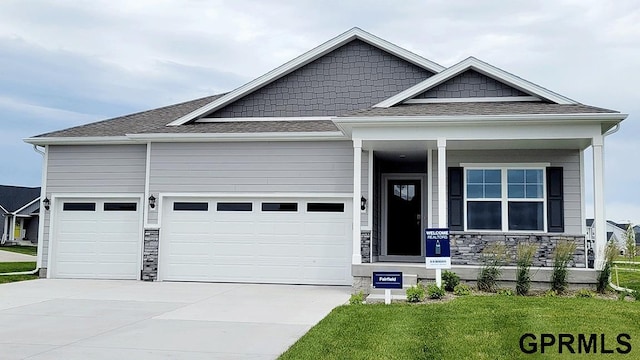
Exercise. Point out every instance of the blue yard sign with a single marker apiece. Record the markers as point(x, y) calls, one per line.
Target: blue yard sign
point(437, 249)
point(387, 280)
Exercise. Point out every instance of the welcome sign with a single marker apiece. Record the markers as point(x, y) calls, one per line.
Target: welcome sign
point(437, 248)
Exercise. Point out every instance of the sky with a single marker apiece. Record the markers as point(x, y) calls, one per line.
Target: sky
point(67, 63)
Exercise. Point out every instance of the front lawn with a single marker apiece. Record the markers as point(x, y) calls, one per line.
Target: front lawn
point(473, 327)
point(27, 250)
point(8, 267)
point(627, 279)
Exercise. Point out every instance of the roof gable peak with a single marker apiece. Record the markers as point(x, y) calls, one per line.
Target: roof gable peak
point(304, 59)
point(472, 63)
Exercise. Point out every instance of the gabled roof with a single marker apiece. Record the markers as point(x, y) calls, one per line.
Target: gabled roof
point(13, 198)
point(618, 225)
point(589, 222)
point(304, 59)
point(483, 68)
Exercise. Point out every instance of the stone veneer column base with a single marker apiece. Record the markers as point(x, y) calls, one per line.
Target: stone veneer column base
point(150, 255)
point(365, 246)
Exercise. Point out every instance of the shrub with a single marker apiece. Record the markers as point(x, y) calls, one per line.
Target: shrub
point(462, 290)
point(562, 255)
point(356, 298)
point(415, 293)
point(524, 260)
point(610, 253)
point(493, 257)
point(435, 292)
point(622, 295)
point(505, 292)
point(635, 293)
point(585, 293)
point(450, 280)
point(630, 243)
point(550, 293)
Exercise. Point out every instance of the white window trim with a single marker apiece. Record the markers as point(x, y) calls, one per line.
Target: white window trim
point(504, 199)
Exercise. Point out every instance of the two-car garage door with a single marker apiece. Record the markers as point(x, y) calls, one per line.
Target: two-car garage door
point(293, 241)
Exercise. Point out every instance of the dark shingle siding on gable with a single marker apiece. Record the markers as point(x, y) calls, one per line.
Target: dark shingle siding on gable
point(470, 84)
point(354, 76)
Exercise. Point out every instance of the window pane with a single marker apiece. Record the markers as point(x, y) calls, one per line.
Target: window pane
point(474, 191)
point(515, 176)
point(484, 215)
point(492, 191)
point(534, 176)
point(475, 176)
point(231, 206)
point(534, 192)
point(516, 191)
point(279, 206)
point(120, 206)
point(325, 207)
point(79, 207)
point(190, 206)
point(492, 176)
point(526, 216)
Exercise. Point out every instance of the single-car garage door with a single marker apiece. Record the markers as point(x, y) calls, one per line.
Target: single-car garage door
point(291, 241)
point(97, 238)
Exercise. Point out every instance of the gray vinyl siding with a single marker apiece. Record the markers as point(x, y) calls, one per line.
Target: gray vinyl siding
point(569, 160)
point(470, 84)
point(92, 169)
point(354, 76)
point(251, 167)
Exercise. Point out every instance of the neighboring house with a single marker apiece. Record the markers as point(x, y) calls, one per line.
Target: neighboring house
point(19, 210)
point(616, 233)
point(323, 170)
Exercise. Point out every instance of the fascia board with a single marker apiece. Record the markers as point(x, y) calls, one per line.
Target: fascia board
point(302, 60)
point(90, 140)
point(482, 67)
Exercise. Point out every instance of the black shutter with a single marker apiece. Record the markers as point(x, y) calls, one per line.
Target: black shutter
point(555, 200)
point(456, 200)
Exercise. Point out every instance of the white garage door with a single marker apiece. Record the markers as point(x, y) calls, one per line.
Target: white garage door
point(97, 239)
point(296, 241)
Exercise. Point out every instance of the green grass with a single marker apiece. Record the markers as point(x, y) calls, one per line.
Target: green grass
point(624, 258)
point(627, 279)
point(474, 327)
point(27, 250)
point(6, 267)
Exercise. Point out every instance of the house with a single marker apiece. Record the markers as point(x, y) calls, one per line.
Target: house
point(19, 210)
point(616, 233)
point(323, 170)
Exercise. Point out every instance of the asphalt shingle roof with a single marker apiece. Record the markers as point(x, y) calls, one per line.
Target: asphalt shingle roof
point(479, 108)
point(13, 198)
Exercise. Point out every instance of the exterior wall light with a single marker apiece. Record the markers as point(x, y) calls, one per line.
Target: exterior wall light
point(363, 203)
point(152, 201)
point(47, 203)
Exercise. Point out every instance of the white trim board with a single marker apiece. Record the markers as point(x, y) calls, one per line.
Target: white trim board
point(483, 68)
point(472, 100)
point(300, 61)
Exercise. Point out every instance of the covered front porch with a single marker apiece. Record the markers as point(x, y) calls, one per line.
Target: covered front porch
point(487, 184)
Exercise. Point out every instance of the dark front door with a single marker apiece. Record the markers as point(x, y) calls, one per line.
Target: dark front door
point(403, 218)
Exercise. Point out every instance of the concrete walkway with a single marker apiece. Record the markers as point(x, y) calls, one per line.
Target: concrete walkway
point(9, 256)
point(101, 319)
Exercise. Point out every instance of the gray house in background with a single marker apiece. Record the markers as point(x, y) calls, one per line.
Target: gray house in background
point(19, 214)
point(323, 170)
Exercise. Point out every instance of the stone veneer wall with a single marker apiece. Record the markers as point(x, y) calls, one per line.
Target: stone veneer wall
point(365, 246)
point(150, 255)
point(466, 247)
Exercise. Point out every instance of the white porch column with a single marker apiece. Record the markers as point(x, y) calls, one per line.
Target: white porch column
point(600, 220)
point(12, 234)
point(357, 193)
point(443, 220)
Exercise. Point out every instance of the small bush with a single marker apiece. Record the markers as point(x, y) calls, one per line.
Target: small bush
point(585, 293)
point(435, 292)
point(636, 294)
point(550, 293)
point(524, 260)
point(415, 293)
point(356, 298)
point(622, 295)
point(462, 290)
point(562, 255)
point(610, 253)
point(488, 279)
point(493, 257)
point(505, 292)
point(450, 280)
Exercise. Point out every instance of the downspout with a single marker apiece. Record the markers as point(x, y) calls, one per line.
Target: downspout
point(35, 148)
point(612, 130)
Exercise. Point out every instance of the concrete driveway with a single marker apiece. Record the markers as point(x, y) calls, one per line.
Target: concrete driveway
point(104, 319)
point(9, 256)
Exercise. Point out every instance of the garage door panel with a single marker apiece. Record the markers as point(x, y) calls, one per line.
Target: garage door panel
point(277, 246)
point(97, 243)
